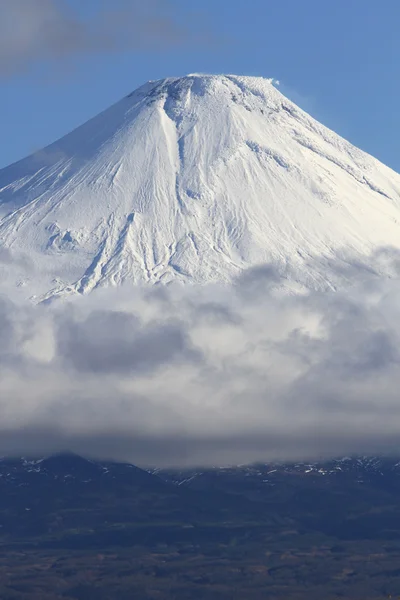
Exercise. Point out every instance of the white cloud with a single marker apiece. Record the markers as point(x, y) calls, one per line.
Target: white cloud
point(49, 30)
point(213, 374)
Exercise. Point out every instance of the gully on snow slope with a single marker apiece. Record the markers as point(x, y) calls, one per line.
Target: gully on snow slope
point(193, 179)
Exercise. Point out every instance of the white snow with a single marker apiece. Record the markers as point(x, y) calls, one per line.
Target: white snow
point(193, 179)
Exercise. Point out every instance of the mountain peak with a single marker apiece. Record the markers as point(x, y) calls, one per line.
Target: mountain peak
point(232, 87)
point(209, 80)
point(194, 179)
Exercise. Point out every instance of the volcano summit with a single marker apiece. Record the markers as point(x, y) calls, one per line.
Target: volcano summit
point(193, 179)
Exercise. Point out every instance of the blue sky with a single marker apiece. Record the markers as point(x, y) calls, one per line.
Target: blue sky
point(338, 59)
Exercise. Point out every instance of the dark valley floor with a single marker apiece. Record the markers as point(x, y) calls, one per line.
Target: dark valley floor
point(75, 529)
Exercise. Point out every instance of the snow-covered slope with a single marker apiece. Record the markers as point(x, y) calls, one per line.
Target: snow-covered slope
point(193, 179)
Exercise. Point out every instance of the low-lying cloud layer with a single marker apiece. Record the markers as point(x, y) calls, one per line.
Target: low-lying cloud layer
point(32, 31)
point(204, 375)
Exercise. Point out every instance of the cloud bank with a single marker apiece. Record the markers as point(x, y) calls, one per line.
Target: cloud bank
point(187, 375)
point(33, 31)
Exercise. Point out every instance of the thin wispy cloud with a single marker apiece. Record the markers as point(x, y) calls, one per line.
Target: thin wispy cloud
point(190, 375)
point(50, 31)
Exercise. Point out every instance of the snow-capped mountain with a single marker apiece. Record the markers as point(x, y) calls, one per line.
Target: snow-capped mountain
point(193, 179)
